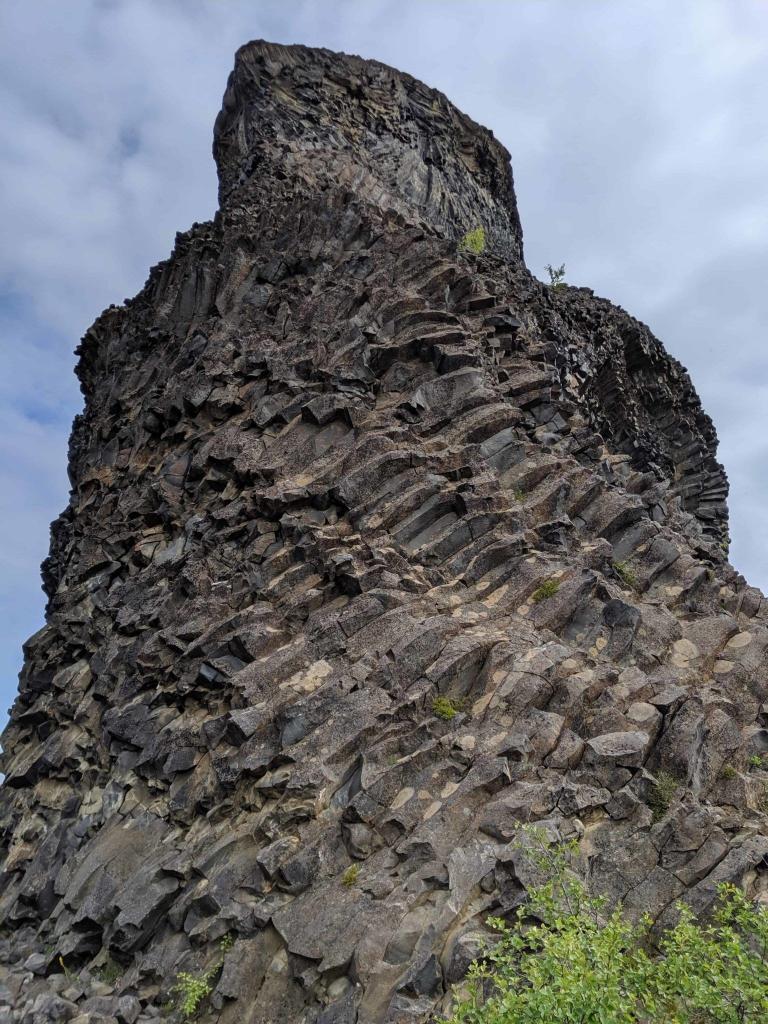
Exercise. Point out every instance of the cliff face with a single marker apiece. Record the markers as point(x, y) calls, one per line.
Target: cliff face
point(376, 549)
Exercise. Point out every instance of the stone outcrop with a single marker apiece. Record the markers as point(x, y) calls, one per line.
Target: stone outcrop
point(333, 469)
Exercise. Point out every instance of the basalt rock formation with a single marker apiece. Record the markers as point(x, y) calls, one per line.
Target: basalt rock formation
point(377, 549)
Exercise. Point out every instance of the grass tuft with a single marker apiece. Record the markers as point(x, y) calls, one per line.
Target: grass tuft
point(350, 876)
point(547, 589)
point(625, 574)
point(662, 794)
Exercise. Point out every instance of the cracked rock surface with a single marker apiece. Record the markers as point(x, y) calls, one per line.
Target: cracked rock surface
point(331, 469)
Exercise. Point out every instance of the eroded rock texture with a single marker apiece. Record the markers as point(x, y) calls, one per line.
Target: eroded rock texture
point(330, 469)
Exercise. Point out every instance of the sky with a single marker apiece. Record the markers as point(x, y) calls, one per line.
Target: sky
point(639, 138)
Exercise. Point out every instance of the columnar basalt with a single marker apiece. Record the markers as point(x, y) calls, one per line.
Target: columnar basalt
point(331, 468)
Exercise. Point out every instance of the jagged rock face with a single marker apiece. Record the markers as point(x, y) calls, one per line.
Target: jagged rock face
point(301, 121)
point(331, 469)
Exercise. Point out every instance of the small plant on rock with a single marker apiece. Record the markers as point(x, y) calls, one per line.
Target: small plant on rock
point(109, 971)
point(447, 707)
point(662, 794)
point(757, 761)
point(625, 574)
point(728, 772)
point(473, 241)
point(556, 275)
point(193, 989)
point(350, 876)
point(547, 589)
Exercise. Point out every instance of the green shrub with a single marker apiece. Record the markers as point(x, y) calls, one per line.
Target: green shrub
point(193, 989)
point(547, 589)
point(625, 574)
point(473, 241)
point(662, 794)
point(757, 761)
point(565, 960)
point(728, 772)
point(447, 707)
point(556, 275)
point(351, 875)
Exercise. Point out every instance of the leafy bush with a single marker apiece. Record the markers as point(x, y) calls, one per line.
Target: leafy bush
point(447, 707)
point(556, 275)
point(473, 241)
point(547, 589)
point(565, 961)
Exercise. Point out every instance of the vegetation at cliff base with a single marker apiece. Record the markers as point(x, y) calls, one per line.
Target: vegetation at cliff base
point(565, 960)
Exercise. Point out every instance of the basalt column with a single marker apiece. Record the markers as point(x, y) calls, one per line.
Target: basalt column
point(377, 549)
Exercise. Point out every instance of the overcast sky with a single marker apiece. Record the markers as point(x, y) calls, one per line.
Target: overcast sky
point(639, 140)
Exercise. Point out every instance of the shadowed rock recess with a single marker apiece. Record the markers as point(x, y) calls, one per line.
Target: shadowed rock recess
point(330, 469)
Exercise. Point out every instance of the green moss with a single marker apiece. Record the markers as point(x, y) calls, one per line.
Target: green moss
point(662, 794)
point(473, 241)
point(757, 761)
point(728, 772)
point(547, 589)
point(447, 707)
point(350, 876)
